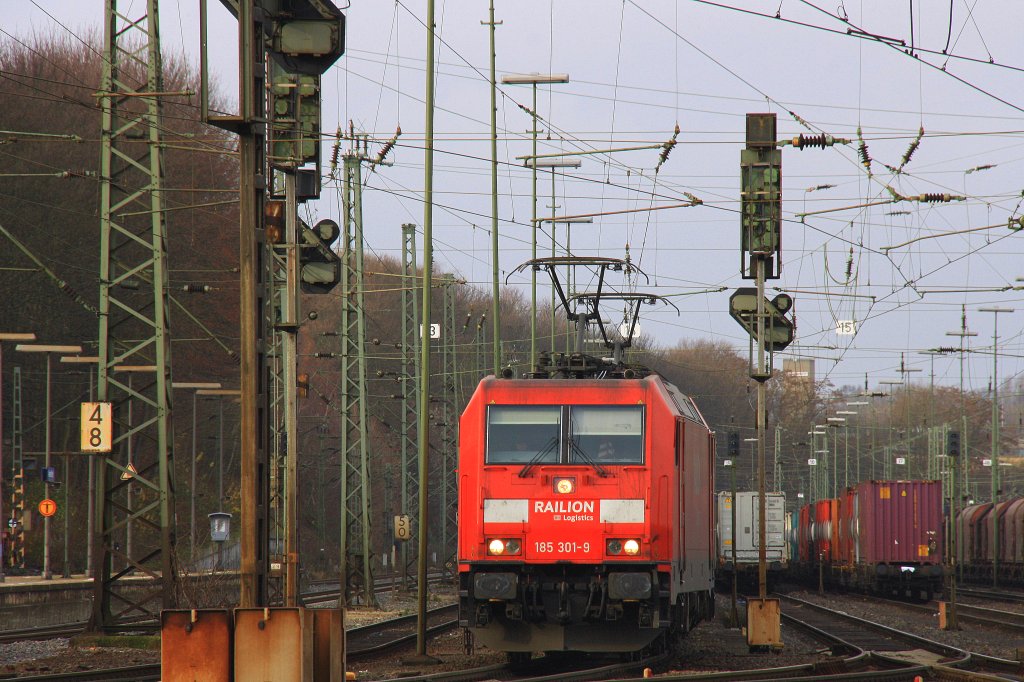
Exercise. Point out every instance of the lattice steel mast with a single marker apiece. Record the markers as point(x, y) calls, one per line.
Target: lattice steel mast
point(410, 389)
point(134, 327)
point(355, 485)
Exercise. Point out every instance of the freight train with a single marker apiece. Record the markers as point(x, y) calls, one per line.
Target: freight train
point(585, 510)
point(977, 526)
point(879, 536)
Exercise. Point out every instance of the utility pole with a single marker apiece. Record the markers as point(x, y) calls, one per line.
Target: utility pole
point(449, 433)
point(963, 333)
point(995, 438)
point(423, 430)
point(355, 545)
point(906, 372)
point(495, 265)
point(18, 474)
point(533, 79)
point(9, 529)
point(134, 328)
point(410, 377)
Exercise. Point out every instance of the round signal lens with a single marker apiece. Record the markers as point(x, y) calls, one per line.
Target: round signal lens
point(614, 546)
point(496, 547)
point(631, 547)
point(512, 546)
point(564, 486)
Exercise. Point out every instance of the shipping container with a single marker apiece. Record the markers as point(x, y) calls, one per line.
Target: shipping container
point(804, 543)
point(897, 522)
point(824, 529)
point(748, 537)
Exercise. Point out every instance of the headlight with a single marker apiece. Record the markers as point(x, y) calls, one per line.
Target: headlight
point(631, 547)
point(564, 486)
point(500, 546)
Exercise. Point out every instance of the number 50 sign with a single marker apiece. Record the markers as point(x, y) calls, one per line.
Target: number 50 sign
point(97, 428)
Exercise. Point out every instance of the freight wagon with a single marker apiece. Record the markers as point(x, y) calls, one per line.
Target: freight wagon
point(976, 550)
point(879, 536)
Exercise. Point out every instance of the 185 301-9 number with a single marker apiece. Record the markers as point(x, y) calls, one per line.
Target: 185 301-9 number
point(561, 547)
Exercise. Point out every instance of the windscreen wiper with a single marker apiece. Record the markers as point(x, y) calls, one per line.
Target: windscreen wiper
point(548, 449)
point(601, 471)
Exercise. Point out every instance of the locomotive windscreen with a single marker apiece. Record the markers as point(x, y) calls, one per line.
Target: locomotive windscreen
point(523, 433)
point(607, 434)
point(576, 434)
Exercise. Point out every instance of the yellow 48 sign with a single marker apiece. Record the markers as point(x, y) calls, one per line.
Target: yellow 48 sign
point(97, 428)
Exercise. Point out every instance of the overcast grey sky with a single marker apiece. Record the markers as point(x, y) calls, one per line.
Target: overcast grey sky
point(638, 68)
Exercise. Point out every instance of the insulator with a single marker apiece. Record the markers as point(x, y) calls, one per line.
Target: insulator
point(335, 150)
point(197, 288)
point(130, 284)
point(821, 141)
point(849, 265)
point(932, 198)
point(819, 187)
point(666, 149)
point(898, 213)
point(862, 150)
point(912, 148)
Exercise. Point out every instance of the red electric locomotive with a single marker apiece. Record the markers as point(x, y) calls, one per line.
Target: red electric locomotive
point(585, 512)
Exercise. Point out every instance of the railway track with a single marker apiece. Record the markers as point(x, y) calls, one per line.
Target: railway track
point(970, 613)
point(894, 647)
point(990, 595)
point(546, 669)
point(311, 598)
point(363, 642)
point(389, 635)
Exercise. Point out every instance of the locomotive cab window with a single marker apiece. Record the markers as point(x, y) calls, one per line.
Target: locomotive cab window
point(518, 434)
point(606, 434)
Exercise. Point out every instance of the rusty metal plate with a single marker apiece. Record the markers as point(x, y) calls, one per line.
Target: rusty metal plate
point(195, 646)
point(328, 645)
point(274, 645)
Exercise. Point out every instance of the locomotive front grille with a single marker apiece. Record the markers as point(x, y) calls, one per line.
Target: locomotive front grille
point(629, 585)
point(497, 585)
